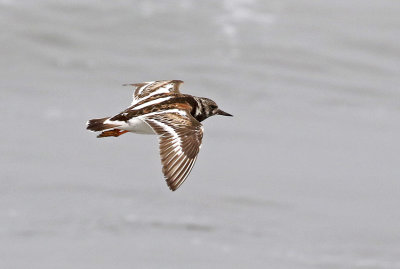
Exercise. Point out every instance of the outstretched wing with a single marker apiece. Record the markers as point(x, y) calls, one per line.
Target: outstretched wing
point(147, 89)
point(180, 138)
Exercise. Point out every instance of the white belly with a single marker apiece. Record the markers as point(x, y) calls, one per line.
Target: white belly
point(136, 125)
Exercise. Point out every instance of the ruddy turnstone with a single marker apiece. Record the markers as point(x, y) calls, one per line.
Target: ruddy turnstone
point(159, 108)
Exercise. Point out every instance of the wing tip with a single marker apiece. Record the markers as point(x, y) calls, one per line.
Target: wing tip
point(172, 188)
point(139, 84)
point(134, 84)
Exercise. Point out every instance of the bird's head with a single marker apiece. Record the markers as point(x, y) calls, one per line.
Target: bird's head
point(209, 108)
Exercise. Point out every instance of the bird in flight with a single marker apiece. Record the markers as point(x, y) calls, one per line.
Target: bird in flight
point(159, 108)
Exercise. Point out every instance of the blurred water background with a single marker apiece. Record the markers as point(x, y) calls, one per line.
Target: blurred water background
point(306, 175)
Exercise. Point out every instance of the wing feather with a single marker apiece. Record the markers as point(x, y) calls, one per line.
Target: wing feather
point(146, 90)
point(180, 136)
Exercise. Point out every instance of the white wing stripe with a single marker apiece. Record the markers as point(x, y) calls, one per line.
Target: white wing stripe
point(146, 90)
point(156, 101)
point(177, 141)
point(163, 89)
point(180, 112)
point(141, 89)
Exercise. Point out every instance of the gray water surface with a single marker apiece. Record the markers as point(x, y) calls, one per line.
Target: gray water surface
point(306, 175)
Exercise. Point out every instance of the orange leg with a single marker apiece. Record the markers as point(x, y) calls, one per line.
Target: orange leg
point(113, 132)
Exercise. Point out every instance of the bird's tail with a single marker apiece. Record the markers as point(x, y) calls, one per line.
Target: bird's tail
point(97, 125)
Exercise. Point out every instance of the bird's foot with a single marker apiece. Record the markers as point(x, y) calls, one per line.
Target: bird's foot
point(113, 132)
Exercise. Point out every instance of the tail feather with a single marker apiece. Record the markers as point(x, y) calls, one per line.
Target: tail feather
point(98, 125)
